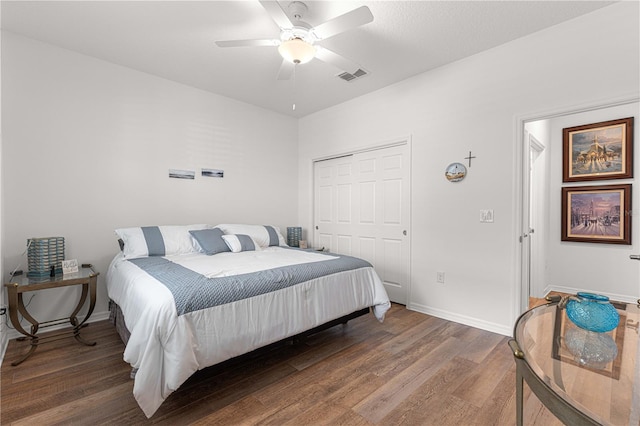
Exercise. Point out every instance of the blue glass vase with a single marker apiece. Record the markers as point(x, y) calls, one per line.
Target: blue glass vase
point(595, 350)
point(592, 312)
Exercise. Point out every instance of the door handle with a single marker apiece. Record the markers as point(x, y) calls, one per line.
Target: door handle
point(634, 257)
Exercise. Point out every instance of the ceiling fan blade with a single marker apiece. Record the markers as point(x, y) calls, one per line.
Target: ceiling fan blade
point(338, 61)
point(277, 13)
point(345, 22)
point(286, 69)
point(247, 43)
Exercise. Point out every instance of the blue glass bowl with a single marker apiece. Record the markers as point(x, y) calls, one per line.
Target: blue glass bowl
point(595, 350)
point(592, 312)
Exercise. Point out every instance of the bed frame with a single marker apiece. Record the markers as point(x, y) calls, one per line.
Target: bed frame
point(117, 319)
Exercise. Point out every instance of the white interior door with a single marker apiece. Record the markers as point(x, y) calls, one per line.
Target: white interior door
point(537, 226)
point(533, 226)
point(362, 209)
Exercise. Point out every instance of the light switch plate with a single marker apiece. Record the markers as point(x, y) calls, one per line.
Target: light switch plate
point(486, 216)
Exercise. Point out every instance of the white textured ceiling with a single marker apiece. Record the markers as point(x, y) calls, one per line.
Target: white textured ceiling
point(175, 40)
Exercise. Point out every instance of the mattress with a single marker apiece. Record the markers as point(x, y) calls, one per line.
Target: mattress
point(168, 343)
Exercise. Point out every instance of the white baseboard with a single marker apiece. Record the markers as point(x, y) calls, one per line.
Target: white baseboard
point(462, 319)
point(9, 334)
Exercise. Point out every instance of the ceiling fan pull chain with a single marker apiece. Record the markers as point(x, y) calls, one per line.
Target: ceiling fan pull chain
point(294, 86)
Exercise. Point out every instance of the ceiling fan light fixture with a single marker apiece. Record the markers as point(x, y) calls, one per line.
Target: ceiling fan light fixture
point(297, 51)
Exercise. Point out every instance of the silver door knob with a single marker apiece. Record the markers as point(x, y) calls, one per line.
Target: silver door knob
point(634, 256)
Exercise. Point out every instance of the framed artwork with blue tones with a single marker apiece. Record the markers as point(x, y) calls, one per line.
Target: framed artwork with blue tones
point(597, 214)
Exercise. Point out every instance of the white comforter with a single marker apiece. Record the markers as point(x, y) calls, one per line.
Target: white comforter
point(167, 349)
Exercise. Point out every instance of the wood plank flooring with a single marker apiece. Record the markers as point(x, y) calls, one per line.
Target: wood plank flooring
point(413, 369)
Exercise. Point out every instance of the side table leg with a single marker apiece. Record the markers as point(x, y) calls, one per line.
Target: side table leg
point(32, 349)
point(16, 304)
point(83, 297)
point(87, 288)
point(518, 355)
point(519, 383)
point(35, 325)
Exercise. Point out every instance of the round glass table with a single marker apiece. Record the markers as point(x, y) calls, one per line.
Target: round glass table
point(582, 377)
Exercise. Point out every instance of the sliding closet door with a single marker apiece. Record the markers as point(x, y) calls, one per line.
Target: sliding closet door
point(362, 209)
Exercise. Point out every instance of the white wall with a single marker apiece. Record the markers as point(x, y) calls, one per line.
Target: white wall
point(87, 146)
point(600, 268)
point(473, 105)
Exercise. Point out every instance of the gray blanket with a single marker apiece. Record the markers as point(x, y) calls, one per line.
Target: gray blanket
point(193, 291)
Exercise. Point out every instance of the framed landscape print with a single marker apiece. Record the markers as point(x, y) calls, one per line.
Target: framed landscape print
point(598, 151)
point(597, 214)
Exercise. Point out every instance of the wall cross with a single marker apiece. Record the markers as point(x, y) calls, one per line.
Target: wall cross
point(469, 158)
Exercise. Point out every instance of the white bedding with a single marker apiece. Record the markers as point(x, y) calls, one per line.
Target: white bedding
point(167, 348)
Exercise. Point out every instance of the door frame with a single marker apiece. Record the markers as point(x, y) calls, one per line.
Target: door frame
point(521, 153)
point(400, 141)
point(535, 215)
point(374, 147)
point(529, 185)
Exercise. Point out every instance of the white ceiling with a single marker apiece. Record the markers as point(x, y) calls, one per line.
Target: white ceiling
point(175, 40)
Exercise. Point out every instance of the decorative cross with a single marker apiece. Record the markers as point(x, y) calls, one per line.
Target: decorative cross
point(469, 158)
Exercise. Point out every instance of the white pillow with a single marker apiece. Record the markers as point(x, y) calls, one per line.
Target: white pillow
point(264, 235)
point(241, 242)
point(158, 240)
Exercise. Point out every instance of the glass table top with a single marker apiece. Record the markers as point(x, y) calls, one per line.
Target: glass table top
point(24, 280)
point(597, 373)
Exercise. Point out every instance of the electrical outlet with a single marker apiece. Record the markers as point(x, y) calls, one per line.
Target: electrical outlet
point(440, 277)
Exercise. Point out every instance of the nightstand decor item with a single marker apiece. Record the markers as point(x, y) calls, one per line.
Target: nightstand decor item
point(591, 349)
point(45, 256)
point(592, 312)
point(294, 234)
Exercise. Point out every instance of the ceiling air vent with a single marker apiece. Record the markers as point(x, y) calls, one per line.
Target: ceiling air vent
point(347, 76)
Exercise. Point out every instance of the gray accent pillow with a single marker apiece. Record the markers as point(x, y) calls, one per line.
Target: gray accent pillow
point(240, 242)
point(273, 236)
point(210, 240)
point(154, 239)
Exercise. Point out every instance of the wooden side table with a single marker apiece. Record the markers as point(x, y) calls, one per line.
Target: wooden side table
point(86, 277)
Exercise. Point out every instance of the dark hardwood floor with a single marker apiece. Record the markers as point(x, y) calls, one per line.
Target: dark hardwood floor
point(413, 369)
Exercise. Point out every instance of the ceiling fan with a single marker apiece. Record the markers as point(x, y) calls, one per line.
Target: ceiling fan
point(297, 42)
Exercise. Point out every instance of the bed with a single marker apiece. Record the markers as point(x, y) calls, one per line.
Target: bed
point(195, 296)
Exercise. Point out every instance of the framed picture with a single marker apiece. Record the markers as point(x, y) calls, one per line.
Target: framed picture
point(598, 151)
point(213, 173)
point(69, 266)
point(597, 214)
point(182, 174)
